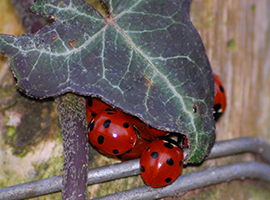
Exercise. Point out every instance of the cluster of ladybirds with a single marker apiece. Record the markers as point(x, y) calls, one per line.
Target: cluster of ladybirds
point(119, 135)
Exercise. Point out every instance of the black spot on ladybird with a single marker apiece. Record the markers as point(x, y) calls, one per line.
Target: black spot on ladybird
point(110, 113)
point(217, 107)
point(170, 161)
point(107, 123)
point(167, 180)
point(180, 163)
point(115, 151)
point(168, 145)
point(217, 115)
point(129, 151)
point(100, 139)
point(125, 125)
point(91, 125)
point(142, 169)
point(108, 109)
point(221, 88)
point(90, 102)
point(154, 155)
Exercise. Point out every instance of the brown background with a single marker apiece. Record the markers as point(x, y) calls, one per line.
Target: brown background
point(244, 68)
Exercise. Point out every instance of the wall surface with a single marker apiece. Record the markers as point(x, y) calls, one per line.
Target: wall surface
point(236, 35)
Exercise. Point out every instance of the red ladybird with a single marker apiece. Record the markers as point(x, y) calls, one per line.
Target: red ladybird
point(89, 114)
point(185, 144)
point(137, 150)
point(220, 98)
point(141, 127)
point(182, 140)
point(95, 106)
point(155, 132)
point(111, 134)
point(161, 163)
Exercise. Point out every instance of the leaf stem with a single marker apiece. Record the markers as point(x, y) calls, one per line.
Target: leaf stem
point(71, 110)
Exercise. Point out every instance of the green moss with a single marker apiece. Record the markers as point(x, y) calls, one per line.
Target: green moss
point(53, 167)
point(253, 8)
point(209, 23)
point(53, 196)
point(102, 189)
point(3, 177)
point(11, 131)
point(110, 187)
point(20, 152)
point(58, 136)
point(231, 44)
point(35, 124)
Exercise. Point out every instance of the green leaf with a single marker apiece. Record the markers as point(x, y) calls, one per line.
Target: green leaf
point(145, 58)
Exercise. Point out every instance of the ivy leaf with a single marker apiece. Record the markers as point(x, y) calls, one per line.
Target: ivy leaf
point(145, 57)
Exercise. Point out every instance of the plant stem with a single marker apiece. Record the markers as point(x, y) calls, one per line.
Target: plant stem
point(71, 109)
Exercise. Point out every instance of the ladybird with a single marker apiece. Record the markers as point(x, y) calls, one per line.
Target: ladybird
point(220, 99)
point(155, 132)
point(111, 134)
point(89, 114)
point(95, 106)
point(138, 149)
point(139, 125)
point(185, 143)
point(161, 163)
point(182, 140)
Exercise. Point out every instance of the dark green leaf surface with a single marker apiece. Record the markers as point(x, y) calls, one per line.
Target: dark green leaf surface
point(145, 58)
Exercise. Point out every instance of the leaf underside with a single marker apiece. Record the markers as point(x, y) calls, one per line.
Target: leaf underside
point(145, 58)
